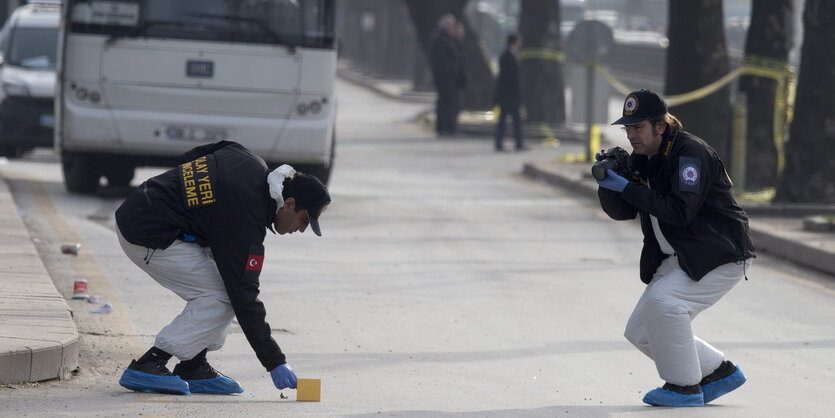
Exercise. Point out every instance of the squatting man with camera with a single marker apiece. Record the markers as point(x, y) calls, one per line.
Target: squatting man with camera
point(697, 246)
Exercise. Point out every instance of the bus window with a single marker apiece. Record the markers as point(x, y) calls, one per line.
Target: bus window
point(303, 23)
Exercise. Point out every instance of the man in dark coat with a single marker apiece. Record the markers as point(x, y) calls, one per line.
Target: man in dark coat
point(508, 94)
point(445, 61)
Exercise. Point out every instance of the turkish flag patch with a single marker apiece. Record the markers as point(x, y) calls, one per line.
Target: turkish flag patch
point(254, 262)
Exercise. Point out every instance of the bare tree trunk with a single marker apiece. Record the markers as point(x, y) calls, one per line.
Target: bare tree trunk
point(769, 36)
point(543, 90)
point(425, 15)
point(808, 175)
point(697, 56)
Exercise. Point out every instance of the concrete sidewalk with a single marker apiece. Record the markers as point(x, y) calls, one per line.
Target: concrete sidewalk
point(38, 338)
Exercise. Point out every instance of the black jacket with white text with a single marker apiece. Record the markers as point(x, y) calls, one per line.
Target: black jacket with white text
point(219, 195)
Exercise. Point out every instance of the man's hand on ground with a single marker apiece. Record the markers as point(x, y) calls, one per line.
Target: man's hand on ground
point(283, 377)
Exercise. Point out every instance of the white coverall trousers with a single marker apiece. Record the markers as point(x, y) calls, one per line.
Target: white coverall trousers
point(189, 271)
point(660, 325)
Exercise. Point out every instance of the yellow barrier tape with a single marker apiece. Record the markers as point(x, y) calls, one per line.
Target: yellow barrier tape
point(542, 53)
point(751, 65)
point(756, 65)
point(614, 82)
point(778, 67)
point(783, 74)
point(671, 100)
point(702, 92)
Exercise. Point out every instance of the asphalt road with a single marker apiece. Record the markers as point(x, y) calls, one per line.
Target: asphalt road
point(446, 283)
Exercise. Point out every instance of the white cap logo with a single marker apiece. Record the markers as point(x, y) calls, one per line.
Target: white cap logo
point(630, 105)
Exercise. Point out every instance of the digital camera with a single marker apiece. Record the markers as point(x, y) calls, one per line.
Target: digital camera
point(615, 159)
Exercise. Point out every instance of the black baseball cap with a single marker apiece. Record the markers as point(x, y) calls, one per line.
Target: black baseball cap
point(641, 105)
point(311, 195)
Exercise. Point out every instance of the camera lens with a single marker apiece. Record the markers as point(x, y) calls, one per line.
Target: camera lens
point(598, 170)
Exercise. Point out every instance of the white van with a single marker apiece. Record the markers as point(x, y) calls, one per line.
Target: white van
point(28, 43)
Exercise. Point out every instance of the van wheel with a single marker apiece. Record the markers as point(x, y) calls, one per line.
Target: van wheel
point(81, 174)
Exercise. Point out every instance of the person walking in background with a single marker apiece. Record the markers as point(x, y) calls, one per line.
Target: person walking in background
point(445, 61)
point(508, 94)
point(461, 78)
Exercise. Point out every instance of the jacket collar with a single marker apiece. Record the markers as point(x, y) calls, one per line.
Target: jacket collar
point(272, 208)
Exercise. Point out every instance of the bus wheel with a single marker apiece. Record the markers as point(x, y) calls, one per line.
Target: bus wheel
point(81, 175)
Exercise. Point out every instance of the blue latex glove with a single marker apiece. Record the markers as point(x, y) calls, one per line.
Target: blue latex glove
point(597, 157)
point(613, 182)
point(283, 377)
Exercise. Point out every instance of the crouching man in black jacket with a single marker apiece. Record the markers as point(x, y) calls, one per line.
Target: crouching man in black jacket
point(198, 230)
point(697, 246)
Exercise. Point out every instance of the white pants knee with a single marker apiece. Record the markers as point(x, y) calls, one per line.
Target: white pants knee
point(660, 324)
point(189, 271)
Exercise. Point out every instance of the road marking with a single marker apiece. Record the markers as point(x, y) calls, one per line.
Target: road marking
point(116, 323)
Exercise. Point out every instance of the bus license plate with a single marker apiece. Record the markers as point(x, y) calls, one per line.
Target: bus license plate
point(193, 133)
point(202, 69)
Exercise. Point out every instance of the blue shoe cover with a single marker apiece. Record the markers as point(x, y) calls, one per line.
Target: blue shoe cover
point(663, 397)
point(713, 390)
point(220, 385)
point(144, 382)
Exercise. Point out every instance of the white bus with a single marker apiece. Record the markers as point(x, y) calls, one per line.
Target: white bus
point(142, 81)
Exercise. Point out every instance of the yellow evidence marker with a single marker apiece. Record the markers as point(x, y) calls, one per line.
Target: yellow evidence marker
point(308, 390)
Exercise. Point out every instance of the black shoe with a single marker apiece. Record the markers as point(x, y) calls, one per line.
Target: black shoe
point(203, 371)
point(155, 368)
point(724, 370)
point(725, 379)
point(523, 148)
point(152, 377)
point(684, 390)
point(205, 379)
point(499, 149)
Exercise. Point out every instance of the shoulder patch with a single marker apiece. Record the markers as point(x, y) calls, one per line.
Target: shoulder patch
point(689, 174)
point(254, 262)
point(198, 181)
